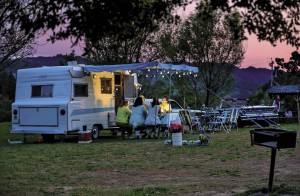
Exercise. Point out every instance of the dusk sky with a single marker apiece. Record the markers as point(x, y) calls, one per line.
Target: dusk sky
point(258, 54)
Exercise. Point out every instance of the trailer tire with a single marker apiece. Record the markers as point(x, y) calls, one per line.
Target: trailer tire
point(95, 132)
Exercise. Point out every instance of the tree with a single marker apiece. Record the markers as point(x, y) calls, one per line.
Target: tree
point(94, 20)
point(213, 42)
point(97, 19)
point(113, 50)
point(14, 43)
point(293, 65)
point(270, 20)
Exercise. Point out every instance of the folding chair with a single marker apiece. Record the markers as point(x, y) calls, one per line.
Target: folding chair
point(233, 120)
point(187, 121)
point(220, 122)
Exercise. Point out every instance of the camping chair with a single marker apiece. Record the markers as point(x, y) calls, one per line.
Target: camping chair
point(233, 119)
point(220, 122)
point(187, 121)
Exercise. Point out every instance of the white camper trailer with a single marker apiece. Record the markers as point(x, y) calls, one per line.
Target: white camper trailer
point(65, 99)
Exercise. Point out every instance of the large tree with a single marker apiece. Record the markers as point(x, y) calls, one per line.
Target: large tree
point(14, 43)
point(113, 50)
point(94, 19)
point(269, 19)
point(213, 42)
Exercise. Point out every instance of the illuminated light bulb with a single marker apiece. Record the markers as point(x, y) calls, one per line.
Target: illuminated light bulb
point(148, 69)
point(176, 72)
point(183, 74)
point(163, 76)
point(146, 75)
point(168, 72)
point(190, 72)
point(112, 73)
point(179, 76)
point(160, 72)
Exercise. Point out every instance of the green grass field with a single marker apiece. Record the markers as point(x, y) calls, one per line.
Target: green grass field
point(229, 165)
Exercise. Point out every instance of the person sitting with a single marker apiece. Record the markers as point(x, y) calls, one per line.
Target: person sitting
point(145, 105)
point(138, 115)
point(153, 118)
point(288, 113)
point(123, 115)
point(165, 107)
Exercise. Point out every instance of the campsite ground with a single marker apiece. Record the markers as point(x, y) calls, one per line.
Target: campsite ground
point(229, 165)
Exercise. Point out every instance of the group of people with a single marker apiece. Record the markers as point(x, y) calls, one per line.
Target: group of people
point(143, 114)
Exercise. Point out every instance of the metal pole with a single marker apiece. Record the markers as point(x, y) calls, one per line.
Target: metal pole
point(272, 166)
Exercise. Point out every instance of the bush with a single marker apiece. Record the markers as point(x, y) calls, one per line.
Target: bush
point(5, 109)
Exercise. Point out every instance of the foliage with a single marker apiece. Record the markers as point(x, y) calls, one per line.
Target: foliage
point(114, 49)
point(14, 43)
point(5, 109)
point(95, 20)
point(270, 20)
point(208, 40)
point(287, 73)
point(293, 65)
point(7, 95)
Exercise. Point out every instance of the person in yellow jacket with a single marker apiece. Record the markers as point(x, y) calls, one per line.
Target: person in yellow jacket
point(123, 114)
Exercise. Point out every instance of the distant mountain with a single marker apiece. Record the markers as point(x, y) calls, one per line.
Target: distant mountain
point(248, 80)
point(31, 62)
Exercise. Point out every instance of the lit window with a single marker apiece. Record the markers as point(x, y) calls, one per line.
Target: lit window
point(106, 86)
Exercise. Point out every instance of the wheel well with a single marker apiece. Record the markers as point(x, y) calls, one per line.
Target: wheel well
point(100, 127)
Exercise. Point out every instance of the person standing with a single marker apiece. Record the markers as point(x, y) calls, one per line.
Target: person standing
point(276, 103)
point(138, 116)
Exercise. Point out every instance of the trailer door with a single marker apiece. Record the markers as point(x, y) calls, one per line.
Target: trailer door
point(129, 89)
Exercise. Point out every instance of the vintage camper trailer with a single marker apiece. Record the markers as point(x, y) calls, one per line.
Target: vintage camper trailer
point(67, 99)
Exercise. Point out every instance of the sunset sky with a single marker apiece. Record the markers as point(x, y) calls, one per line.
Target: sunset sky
point(258, 54)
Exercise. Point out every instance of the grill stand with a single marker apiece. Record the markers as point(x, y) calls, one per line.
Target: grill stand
point(272, 167)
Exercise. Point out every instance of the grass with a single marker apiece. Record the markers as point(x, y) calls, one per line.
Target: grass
point(112, 166)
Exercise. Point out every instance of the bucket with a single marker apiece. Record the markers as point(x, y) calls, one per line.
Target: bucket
point(85, 136)
point(177, 139)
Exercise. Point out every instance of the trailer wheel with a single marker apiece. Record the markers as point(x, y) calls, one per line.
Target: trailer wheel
point(95, 132)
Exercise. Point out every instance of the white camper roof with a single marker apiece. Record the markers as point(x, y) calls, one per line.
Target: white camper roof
point(147, 65)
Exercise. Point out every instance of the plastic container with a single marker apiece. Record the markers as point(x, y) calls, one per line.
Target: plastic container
point(177, 139)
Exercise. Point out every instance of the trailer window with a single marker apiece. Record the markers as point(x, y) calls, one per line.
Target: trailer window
point(80, 90)
point(106, 86)
point(42, 91)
